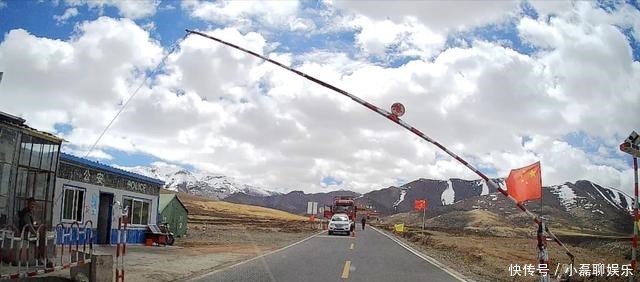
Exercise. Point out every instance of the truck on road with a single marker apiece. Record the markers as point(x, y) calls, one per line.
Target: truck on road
point(343, 205)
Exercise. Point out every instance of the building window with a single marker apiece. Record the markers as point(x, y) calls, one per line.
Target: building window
point(73, 202)
point(138, 210)
point(8, 140)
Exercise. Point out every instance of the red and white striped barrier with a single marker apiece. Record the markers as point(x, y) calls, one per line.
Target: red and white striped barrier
point(121, 247)
point(62, 238)
point(636, 217)
point(396, 119)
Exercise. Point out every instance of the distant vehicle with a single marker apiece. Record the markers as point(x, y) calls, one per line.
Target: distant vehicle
point(343, 205)
point(340, 223)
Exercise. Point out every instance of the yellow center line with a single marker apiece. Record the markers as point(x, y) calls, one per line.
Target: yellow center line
point(351, 247)
point(345, 270)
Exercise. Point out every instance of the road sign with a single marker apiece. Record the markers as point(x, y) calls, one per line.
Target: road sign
point(633, 138)
point(312, 208)
point(397, 109)
point(631, 149)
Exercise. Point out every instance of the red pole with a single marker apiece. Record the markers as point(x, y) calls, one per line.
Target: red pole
point(118, 249)
point(634, 241)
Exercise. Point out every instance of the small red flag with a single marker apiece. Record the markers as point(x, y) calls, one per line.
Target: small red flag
point(420, 204)
point(525, 183)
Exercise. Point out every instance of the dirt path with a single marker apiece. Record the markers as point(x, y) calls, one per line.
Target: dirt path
point(204, 251)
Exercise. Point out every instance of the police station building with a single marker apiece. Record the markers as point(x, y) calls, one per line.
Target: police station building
point(88, 190)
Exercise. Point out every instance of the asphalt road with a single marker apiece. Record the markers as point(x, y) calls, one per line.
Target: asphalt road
point(369, 256)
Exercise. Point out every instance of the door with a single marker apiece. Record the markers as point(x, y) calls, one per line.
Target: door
point(104, 218)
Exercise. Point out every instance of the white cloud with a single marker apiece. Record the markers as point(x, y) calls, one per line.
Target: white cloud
point(68, 13)
point(130, 9)
point(437, 15)
point(247, 14)
point(409, 38)
point(86, 76)
point(3, 4)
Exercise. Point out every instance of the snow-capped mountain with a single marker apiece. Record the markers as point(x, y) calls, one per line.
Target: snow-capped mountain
point(198, 183)
point(582, 204)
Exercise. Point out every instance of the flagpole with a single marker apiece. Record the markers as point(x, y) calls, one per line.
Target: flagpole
point(424, 212)
point(541, 193)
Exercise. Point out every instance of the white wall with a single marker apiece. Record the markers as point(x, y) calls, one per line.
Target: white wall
point(92, 202)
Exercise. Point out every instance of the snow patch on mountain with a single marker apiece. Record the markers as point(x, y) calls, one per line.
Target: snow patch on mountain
point(485, 188)
point(566, 195)
point(448, 195)
point(618, 197)
point(403, 193)
point(605, 197)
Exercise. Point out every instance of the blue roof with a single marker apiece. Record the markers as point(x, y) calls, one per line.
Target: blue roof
point(96, 165)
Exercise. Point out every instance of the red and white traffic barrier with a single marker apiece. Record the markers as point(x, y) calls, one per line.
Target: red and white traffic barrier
point(636, 217)
point(62, 237)
point(121, 247)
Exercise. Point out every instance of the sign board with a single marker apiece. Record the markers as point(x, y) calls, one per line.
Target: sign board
point(397, 109)
point(631, 149)
point(104, 178)
point(312, 207)
point(633, 138)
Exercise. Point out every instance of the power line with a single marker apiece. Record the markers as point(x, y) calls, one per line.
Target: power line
point(144, 81)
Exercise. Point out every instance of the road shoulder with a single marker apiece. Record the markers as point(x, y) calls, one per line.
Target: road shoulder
point(416, 251)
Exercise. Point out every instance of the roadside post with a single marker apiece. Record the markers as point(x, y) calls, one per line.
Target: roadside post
point(631, 146)
point(421, 205)
point(312, 211)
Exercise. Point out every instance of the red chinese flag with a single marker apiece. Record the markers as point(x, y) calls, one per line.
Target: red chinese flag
point(420, 204)
point(525, 183)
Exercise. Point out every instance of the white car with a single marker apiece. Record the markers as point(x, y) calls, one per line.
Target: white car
point(340, 223)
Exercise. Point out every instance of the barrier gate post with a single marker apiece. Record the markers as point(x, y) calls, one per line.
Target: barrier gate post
point(121, 247)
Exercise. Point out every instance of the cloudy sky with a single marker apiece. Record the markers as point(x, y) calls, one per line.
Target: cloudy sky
point(502, 83)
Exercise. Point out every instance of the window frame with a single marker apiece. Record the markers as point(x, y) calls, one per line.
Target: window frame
point(130, 215)
point(66, 187)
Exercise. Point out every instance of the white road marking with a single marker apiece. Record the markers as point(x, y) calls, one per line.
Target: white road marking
point(427, 258)
point(332, 236)
point(255, 258)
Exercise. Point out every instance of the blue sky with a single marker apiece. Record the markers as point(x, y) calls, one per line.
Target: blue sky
point(401, 47)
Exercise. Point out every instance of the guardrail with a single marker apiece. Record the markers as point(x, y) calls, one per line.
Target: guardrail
point(24, 253)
